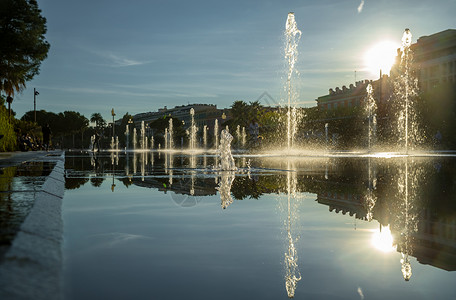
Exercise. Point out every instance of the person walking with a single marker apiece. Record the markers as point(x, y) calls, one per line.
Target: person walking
point(46, 136)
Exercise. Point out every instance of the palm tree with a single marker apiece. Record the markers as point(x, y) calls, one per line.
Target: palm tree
point(100, 123)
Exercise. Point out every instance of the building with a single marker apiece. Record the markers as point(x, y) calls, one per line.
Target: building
point(435, 58)
point(205, 114)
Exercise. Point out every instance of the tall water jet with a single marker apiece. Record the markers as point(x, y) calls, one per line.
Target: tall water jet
point(204, 136)
point(193, 130)
point(127, 135)
point(371, 110)
point(405, 90)
point(292, 37)
point(244, 137)
point(135, 139)
point(216, 137)
point(238, 136)
point(170, 133)
point(143, 136)
point(166, 136)
point(226, 158)
point(152, 141)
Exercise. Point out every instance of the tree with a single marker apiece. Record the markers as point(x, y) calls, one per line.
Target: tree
point(22, 43)
point(100, 123)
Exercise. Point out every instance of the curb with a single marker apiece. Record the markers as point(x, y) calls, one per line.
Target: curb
point(32, 267)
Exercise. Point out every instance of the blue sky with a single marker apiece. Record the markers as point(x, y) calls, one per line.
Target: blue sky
point(140, 55)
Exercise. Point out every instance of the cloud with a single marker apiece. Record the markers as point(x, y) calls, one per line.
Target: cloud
point(360, 291)
point(360, 7)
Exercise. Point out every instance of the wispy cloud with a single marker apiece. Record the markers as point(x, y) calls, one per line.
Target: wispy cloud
point(360, 293)
point(361, 6)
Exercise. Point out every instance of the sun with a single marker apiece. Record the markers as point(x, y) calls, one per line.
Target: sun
point(381, 57)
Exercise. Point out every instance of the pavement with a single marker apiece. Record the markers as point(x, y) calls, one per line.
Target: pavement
point(31, 268)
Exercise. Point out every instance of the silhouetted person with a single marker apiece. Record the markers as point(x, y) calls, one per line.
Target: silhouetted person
point(46, 136)
point(96, 142)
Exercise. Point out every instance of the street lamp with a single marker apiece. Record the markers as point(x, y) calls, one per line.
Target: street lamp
point(35, 93)
point(113, 131)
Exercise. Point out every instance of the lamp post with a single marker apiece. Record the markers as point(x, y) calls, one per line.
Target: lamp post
point(35, 93)
point(113, 130)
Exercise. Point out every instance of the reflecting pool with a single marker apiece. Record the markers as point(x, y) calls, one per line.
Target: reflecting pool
point(165, 225)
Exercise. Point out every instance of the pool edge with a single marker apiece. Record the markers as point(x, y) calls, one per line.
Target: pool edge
point(32, 267)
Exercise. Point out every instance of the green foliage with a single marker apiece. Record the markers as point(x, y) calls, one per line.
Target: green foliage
point(8, 142)
point(22, 43)
point(100, 123)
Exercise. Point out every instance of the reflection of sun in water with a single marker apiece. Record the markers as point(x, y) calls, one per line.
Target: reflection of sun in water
point(383, 239)
point(381, 57)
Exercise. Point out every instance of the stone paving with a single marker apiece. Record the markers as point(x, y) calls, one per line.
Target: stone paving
point(31, 228)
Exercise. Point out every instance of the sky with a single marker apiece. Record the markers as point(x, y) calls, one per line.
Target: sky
point(141, 55)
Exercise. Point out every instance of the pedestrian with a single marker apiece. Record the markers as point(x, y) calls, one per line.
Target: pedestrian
point(46, 136)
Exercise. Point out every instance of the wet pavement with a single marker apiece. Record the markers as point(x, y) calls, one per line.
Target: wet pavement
point(31, 190)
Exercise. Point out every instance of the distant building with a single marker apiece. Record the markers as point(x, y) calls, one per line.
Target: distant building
point(354, 95)
point(205, 114)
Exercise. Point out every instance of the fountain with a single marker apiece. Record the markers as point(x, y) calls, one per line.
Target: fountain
point(216, 137)
point(143, 136)
point(405, 89)
point(292, 37)
point(244, 138)
point(205, 136)
point(166, 136)
point(170, 134)
point(371, 110)
point(226, 158)
point(135, 139)
point(192, 130)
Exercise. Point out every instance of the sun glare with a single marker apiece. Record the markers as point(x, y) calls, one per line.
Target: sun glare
point(383, 239)
point(381, 57)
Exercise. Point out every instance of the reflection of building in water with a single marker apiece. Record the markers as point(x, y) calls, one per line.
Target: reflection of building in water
point(434, 242)
point(182, 185)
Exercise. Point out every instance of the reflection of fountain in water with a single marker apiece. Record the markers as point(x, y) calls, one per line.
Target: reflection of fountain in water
point(224, 188)
point(370, 198)
point(292, 275)
point(407, 222)
point(292, 37)
point(226, 158)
